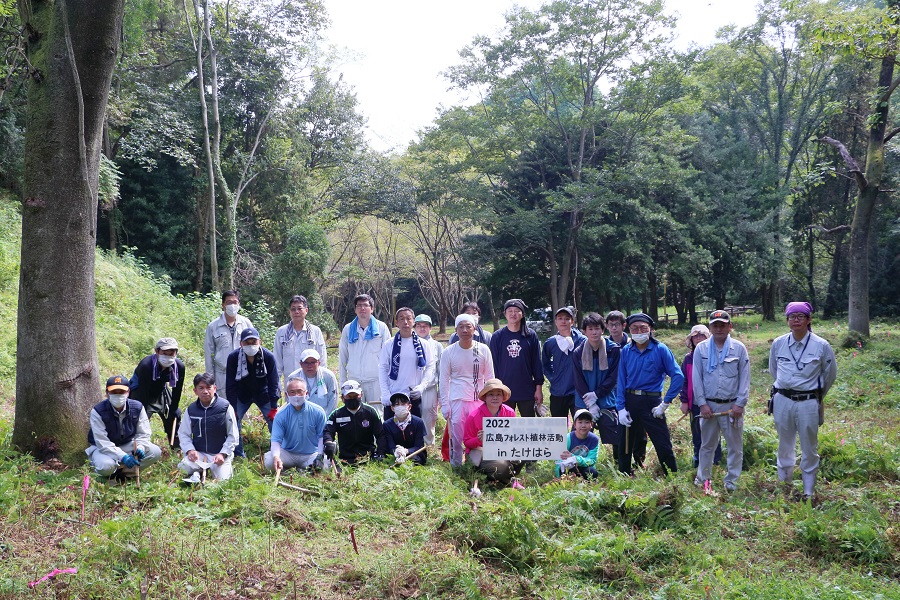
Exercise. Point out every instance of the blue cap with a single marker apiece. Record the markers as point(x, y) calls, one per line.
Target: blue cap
point(250, 332)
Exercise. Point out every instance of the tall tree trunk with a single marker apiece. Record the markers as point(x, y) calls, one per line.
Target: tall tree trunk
point(72, 49)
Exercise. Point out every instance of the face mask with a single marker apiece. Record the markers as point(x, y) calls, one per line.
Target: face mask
point(118, 400)
point(640, 338)
point(352, 404)
point(251, 350)
point(297, 401)
point(401, 412)
point(166, 361)
point(232, 309)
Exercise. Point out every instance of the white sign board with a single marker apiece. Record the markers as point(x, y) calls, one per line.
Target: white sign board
point(524, 438)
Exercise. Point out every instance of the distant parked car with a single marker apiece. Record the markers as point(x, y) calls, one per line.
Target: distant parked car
point(541, 320)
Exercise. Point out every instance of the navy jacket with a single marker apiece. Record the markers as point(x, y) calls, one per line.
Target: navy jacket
point(253, 389)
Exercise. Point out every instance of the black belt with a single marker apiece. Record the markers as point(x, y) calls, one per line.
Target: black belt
point(721, 400)
point(799, 395)
point(643, 393)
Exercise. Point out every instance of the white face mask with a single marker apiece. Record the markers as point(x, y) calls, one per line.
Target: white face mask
point(166, 361)
point(232, 309)
point(401, 412)
point(251, 350)
point(297, 401)
point(640, 338)
point(118, 400)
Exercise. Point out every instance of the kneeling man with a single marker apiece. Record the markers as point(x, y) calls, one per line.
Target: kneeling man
point(120, 433)
point(209, 433)
point(297, 432)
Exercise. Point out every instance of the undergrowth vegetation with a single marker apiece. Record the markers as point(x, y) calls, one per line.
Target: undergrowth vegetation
point(418, 532)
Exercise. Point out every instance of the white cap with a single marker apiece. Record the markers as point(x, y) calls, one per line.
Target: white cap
point(309, 353)
point(351, 387)
point(463, 318)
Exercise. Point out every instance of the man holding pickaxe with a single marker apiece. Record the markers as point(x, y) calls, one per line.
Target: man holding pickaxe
point(721, 384)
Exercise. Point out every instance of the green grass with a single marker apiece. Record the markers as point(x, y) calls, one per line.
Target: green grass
point(419, 533)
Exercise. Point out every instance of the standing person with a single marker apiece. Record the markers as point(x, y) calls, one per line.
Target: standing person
point(556, 361)
point(252, 378)
point(481, 336)
point(320, 382)
point(157, 383)
point(404, 365)
point(581, 450)
point(804, 369)
point(430, 401)
point(292, 339)
point(615, 324)
point(404, 432)
point(517, 359)
point(596, 371)
point(223, 336)
point(493, 395)
point(721, 383)
point(119, 437)
point(465, 366)
point(297, 432)
point(643, 366)
point(698, 334)
point(354, 431)
point(209, 434)
point(360, 350)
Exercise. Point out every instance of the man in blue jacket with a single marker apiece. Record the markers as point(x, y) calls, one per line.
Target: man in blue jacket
point(556, 359)
point(252, 378)
point(643, 366)
point(596, 371)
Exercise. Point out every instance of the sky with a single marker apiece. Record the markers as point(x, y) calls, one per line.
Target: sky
point(395, 50)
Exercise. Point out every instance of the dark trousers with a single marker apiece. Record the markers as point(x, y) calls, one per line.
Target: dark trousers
point(561, 406)
point(644, 423)
point(169, 421)
point(695, 438)
point(526, 407)
point(241, 408)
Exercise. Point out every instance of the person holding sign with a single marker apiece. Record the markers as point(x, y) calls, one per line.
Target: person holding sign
point(465, 367)
point(643, 366)
point(581, 448)
point(494, 394)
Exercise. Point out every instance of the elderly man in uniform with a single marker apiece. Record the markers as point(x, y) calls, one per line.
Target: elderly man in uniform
point(359, 350)
point(644, 364)
point(209, 433)
point(119, 437)
point(294, 338)
point(223, 336)
point(320, 382)
point(720, 378)
point(804, 369)
point(430, 401)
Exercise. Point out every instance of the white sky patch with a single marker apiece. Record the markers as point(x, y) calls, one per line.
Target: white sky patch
point(400, 47)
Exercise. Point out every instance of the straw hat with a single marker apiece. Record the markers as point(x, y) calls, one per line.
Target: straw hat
point(494, 384)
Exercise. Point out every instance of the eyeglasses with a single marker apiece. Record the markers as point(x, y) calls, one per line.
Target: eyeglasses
point(644, 329)
point(297, 308)
point(797, 317)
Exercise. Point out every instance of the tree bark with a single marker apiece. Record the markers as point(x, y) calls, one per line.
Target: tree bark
point(72, 47)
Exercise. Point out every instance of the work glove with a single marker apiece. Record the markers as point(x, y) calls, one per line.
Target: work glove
point(625, 418)
point(130, 461)
point(400, 451)
point(570, 463)
point(415, 394)
point(140, 454)
point(330, 447)
point(399, 458)
point(272, 412)
point(318, 464)
point(659, 411)
point(590, 400)
point(595, 412)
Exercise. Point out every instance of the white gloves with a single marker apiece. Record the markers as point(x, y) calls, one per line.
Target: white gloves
point(386, 401)
point(570, 463)
point(400, 454)
point(625, 418)
point(659, 411)
point(590, 400)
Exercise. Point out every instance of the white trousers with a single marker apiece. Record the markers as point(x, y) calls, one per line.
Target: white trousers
point(710, 431)
point(289, 459)
point(372, 396)
point(104, 464)
point(793, 420)
point(220, 472)
point(430, 407)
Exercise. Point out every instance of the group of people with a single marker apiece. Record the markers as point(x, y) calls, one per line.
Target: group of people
point(392, 387)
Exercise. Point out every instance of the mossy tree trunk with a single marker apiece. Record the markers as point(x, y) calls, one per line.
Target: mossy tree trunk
point(72, 46)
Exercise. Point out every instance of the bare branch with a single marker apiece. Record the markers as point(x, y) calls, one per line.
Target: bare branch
point(822, 229)
point(852, 165)
point(891, 134)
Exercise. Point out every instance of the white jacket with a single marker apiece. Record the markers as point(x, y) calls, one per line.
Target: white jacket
point(359, 361)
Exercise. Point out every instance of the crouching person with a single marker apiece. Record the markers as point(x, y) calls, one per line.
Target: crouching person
point(405, 432)
point(494, 394)
point(208, 435)
point(120, 433)
point(297, 432)
point(356, 426)
point(580, 455)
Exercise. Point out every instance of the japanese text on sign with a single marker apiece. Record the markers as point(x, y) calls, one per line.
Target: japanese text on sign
point(524, 439)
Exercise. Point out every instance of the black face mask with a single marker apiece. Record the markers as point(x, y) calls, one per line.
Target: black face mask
point(352, 403)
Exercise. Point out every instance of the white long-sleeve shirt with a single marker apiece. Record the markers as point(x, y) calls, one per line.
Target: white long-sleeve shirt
point(433, 351)
point(409, 374)
point(219, 343)
point(461, 378)
point(101, 439)
point(290, 344)
point(185, 435)
point(359, 360)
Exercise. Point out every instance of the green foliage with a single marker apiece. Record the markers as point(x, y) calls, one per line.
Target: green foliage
point(299, 265)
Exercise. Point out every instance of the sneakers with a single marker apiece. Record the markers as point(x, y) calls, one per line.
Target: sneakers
point(730, 487)
point(194, 478)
